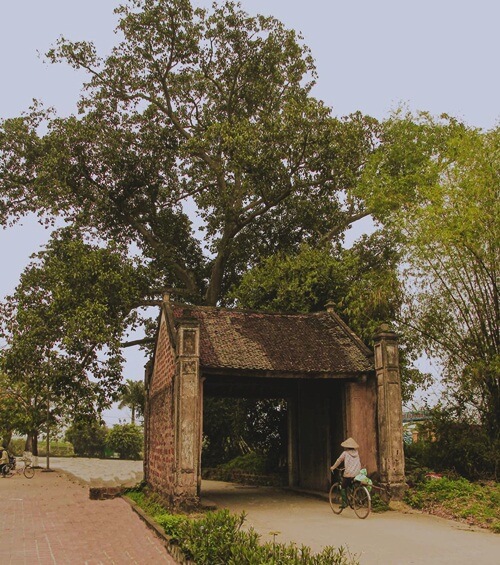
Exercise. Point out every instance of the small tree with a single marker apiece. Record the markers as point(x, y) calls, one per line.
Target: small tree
point(127, 440)
point(88, 437)
point(133, 396)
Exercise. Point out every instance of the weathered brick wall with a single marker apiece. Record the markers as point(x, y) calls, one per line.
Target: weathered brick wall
point(160, 434)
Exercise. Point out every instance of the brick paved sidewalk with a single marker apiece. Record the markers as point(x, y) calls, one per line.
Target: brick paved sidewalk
point(50, 520)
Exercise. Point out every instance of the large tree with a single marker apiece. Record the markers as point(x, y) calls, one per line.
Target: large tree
point(195, 113)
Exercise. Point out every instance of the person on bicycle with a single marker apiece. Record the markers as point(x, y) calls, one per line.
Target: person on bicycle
point(352, 466)
point(4, 462)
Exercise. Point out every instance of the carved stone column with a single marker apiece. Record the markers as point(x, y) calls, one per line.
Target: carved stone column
point(389, 410)
point(188, 414)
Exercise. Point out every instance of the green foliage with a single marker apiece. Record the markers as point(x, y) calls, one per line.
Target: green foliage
point(149, 503)
point(218, 537)
point(219, 116)
point(378, 503)
point(302, 282)
point(234, 427)
point(16, 446)
point(251, 468)
point(133, 396)
point(250, 463)
point(458, 444)
point(127, 440)
point(13, 412)
point(172, 524)
point(88, 437)
point(362, 282)
point(57, 449)
point(434, 184)
point(24, 407)
point(63, 327)
point(460, 499)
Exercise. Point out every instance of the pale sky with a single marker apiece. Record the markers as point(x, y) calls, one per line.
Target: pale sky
point(371, 55)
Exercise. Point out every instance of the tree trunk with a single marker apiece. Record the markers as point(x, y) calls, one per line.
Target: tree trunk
point(31, 444)
point(6, 439)
point(214, 286)
point(35, 443)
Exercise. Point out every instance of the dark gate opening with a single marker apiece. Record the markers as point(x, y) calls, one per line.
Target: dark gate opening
point(245, 440)
point(293, 443)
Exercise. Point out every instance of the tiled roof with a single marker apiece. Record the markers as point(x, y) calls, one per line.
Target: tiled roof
point(247, 340)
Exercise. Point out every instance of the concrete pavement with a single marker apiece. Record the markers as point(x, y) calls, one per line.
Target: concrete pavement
point(98, 472)
point(50, 520)
point(390, 538)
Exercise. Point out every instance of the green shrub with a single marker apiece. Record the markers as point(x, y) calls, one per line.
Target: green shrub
point(378, 504)
point(172, 524)
point(57, 449)
point(127, 440)
point(475, 503)
point(250, 463)
point(218, 537)
point(16, 446)
point(457, 445)
point(88, 438)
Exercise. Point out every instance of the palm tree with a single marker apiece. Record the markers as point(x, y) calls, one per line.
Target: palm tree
point(133, 397)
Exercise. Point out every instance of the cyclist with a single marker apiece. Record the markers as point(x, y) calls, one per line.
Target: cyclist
point(352, 466)
point(4, 462)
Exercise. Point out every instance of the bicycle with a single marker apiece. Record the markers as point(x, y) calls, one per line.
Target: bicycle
point(383, 491)
point(27, 469)
point(358, 498)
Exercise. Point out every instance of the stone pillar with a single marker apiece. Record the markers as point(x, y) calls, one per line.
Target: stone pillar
point(188, 415)
point(148, 372)
point(389, 410)
point(292, 415)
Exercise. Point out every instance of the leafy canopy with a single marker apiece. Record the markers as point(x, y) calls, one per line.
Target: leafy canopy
point(64, 324)
point(446, 174)
point(202, 111)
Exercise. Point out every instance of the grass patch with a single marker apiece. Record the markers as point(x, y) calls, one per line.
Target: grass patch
point(219, 537)
point(378, 504)
point(475, 503)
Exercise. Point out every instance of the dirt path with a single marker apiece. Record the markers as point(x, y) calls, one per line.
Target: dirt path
point(391, 538)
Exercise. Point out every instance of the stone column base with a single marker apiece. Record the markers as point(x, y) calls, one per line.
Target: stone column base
point(397, 490)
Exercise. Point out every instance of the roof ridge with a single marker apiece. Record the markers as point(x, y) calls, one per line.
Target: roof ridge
point(243, 310)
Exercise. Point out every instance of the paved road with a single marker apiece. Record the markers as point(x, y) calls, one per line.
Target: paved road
point(50, 520)
point(391, 538)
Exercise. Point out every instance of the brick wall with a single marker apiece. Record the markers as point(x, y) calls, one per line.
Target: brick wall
point(160, 449)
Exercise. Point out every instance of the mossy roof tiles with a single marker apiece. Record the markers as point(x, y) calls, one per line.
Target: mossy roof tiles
point(261, 341)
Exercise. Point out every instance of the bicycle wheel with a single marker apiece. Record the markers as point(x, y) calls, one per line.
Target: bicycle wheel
point(29, 472)
point(361, 501)
point(335, 498)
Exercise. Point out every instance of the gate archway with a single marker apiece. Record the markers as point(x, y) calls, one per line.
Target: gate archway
point(334, 387)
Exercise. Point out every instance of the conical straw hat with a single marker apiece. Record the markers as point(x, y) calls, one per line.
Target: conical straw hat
point(350, 443)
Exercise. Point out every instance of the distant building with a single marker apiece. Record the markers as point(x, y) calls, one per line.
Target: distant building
point(412, 428)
